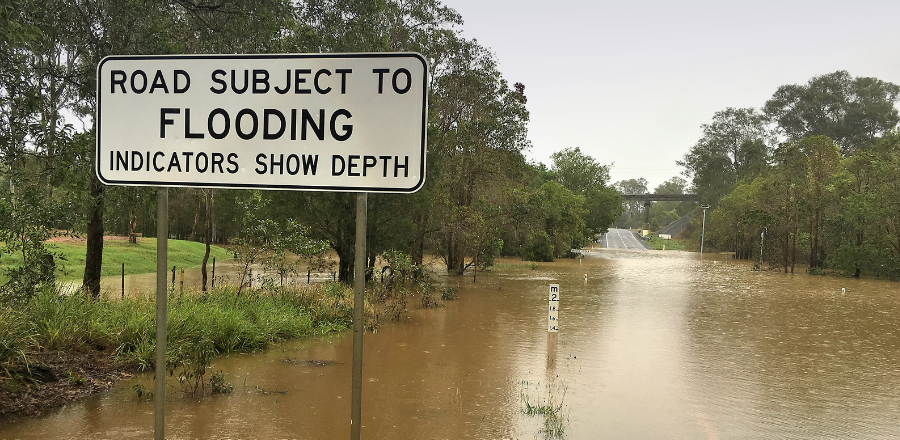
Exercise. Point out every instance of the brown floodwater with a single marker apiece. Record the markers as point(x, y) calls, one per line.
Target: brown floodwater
point(652, 345)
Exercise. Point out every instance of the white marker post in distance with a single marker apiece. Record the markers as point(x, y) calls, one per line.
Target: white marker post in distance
point(553, 318)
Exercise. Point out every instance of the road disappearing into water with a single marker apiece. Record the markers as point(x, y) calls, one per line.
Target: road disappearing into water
point(622, 239)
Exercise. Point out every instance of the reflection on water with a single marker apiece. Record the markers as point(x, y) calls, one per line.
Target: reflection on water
point(652, 345)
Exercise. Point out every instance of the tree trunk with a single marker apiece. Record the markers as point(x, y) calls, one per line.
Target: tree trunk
point(417, 250)
point(370, 263)
point(93, 259)
point(793, 251)
point(208, 197)
point(196, 221)
point(132, 228)
point(345, 266)
point(814, 246)
point(459, 258)
point(451, 256)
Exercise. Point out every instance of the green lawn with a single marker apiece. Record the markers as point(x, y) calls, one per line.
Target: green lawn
point(138, 258)
point(670, 245)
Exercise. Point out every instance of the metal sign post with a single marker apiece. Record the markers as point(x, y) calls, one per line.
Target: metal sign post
point(162, 254)
point(359, 316)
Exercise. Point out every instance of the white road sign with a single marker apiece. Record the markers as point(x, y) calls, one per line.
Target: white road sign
point(322, 122)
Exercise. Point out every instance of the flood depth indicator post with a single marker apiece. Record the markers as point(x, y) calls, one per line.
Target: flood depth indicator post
point(372, 140)
point(553, 309)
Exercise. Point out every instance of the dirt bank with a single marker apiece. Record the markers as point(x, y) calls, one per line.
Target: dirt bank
point(55, 378)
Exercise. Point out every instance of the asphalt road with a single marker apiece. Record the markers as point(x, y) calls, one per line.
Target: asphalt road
point(622, 239)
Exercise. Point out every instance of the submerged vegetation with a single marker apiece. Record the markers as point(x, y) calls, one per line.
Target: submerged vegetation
point(546, 402)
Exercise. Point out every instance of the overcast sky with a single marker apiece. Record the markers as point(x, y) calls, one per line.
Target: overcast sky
point(630, 83)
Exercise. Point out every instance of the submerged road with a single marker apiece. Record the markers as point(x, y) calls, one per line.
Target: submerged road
point(622, 239)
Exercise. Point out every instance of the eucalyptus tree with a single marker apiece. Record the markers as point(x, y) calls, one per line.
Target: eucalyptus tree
point(38, 149)
point(584, 176)
point(478, 133)
point(742, 215)
point(787, 186)
point(734, 146)
point(853, 112)
point(855, 242)
point(888, 148)
point(822, 161)
point(394, 221)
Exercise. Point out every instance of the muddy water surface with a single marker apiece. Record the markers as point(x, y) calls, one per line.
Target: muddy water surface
point(652, 345)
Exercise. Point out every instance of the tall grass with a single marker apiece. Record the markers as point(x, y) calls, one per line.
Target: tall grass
point(16, 336)
point(222, 321)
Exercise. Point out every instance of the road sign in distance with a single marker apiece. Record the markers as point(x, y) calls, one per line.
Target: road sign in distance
point(321, 122)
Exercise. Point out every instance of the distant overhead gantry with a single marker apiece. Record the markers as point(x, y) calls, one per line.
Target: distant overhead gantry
point(647, 198)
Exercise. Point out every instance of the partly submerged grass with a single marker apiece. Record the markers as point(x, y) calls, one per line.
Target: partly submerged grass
point(138, 258)
point(550, 408)
point(229, 321)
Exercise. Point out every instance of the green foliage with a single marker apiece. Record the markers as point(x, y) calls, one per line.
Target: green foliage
point(851, 111)
point(669, 245)
point(816, 208)
point(734, 146)
point(198, 328)
point(189, 362)
point(264, 240)
point(27, 220)
point(400, 279)
point(539, 248)
point(583, 175)
point(577, 171)
point(449, 294)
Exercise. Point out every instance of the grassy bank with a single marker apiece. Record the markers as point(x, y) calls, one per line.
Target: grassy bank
point(55, 348)
point(670, 245)
point(228, 322)
point(138, 258)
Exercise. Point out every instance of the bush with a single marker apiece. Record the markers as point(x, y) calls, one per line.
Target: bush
point(450, 294)
point(539, 248)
